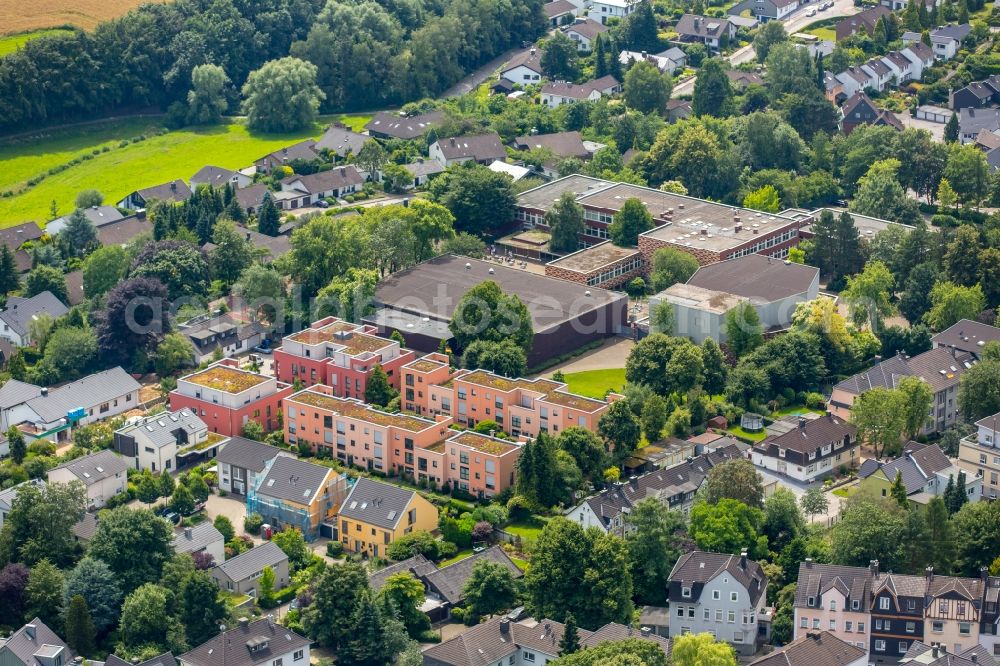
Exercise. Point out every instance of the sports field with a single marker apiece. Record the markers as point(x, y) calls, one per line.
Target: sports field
point(118, 164)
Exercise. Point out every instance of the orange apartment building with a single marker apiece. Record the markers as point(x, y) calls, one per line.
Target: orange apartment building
point(422, 448)
point(521, 407)
point(340, 355)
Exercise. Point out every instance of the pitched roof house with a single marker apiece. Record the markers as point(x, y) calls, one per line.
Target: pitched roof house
point(480, 148)
point(924, 470)
point(859, 109)
point(811, 451)
point(336, 182)
point(585, 33)
point(200, 538)
point(848, 590)
point(157, 442)
point(103, 473)
point(562, 144)
point(375, 514)
point(16, 317)
point(98, 215)
point(35, 644)
point(864, 20)
point(524, 68)
point(385, 125)
point(241, 460)
point(967, 336)
point(675, 486)
point(733, 583)
point(303, 150)
point(258, 643)
point(555, 93)
point(941, 368)
point(123, 231)
point(297, 493)
point(816, 648)
point(712, 32)
point(214, 176)
point(341, 141)
point(241, 574)
point(172, 192)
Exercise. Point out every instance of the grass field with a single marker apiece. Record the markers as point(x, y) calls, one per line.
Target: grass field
point(16, 16)
point(528, 530)
point(11, 43)
point(595, 383)
point(121, 170)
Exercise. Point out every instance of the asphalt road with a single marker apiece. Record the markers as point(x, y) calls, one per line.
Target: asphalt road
point(793, 23)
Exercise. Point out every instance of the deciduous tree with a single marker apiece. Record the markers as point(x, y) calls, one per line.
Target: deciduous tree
point(282, 96)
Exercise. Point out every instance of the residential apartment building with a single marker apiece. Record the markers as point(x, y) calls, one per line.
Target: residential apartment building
point(340, 355)
point(989, 619)
point(424, 449)
point(814, 449)
point(241, 461)
point(227, 397)
point(520, 407)
point(375, 514)
point(161, 442)
point(105, 474)
point(979, 455)
point(724, 595)
point(941, 368)
point(675, 486)
point(257, 643)
point(889, 613)
point(292, 492)
point(924, 470)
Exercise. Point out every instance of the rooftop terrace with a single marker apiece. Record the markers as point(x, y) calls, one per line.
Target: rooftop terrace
point(484, 443)
point(551, 390)
point(425, 365)
point(315, 336)
point(225, 378)
point(357, 410)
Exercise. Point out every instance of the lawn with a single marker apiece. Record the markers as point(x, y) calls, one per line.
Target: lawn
point(528, 530)
point(521, 564)
point(461, 555)
point(745, 435)
point(595, 383)
point(122, 169)
point(795, 410)
point(846, 491)
point(11, 43)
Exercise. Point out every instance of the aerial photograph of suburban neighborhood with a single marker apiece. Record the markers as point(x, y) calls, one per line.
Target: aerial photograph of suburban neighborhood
point(500, 333)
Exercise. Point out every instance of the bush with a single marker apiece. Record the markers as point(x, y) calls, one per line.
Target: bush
point(815, 401)
point(458, 614)
point(429, 636)
point(252, 523)
point(334, 549)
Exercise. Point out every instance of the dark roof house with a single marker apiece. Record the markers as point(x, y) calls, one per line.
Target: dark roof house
point(16, 317)
point(376, 503)
point(385, 125)
point(35, 644)
point(248, 644)
point(561, 144)
point(693, 570)
point(816, 648)
point(341, 141)
point(967, 336)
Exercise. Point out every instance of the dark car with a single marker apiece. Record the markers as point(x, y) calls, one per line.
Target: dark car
point(172, 516)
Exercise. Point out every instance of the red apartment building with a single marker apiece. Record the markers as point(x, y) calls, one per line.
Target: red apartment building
point(339, 355)
point(226, 397)
point(422, 448)
point(521, 407)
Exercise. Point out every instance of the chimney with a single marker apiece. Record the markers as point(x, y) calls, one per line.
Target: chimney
point(244, 623)
point(30, 630)
point(187, 532)
point(45, 392)
point(452, 141)
point(645, 631)
point(173, 187)
point(984, 573)
point(343, 171)
point(873, 568)
point(934, 651)
point(504, 626)
point(743, 559)
point(802, 423)
point(809, 563)
point(248, 235)
point(929, 573)
point(974, 657)
point(943, 648)
point(135, 660)
point(737, 228)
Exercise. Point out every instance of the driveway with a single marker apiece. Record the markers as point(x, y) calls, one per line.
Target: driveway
point(612, 354)
point(232, 507)
point(472, 80)
point(936, 129)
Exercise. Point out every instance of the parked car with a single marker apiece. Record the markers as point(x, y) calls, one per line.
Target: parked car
point(172, 516)
point(811, 12)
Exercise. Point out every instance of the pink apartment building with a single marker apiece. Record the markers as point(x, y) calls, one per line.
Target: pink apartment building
point(422, 448)
point(521, 407)
point(339, 355)
point(226, 397)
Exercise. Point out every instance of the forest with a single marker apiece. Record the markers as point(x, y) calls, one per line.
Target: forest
point(368, 54)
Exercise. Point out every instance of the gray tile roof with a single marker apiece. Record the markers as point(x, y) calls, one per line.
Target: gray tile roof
point(376, 503)
point(20, 312)
point(815, 579)
point(562, 144)
point(195, 538)
point(971, 120)
point(31, 638)
point(702, 26)
point(123, 231)
point(811, 435)
point(165, 659)
point(98, 216)
point(323, 181)
point(16, 392)
point(87, 392)
point(86, 528)
point(450, 581)
point(341, 141)
point(619, 632)
point(814, 649)
point(8, 495)
point(424, 168)
point(934, 366)
point(418, 566)
point(252, 561)
point(477, 146)
point(958, 32)
point(95, 467)
point(16, 236)
point(213, 176)
point(967, 335)
point(161, 429)
point(247, 453)
point(293, 480)
point(392, 125)
point(701, 567)
point(303, 150)
point(232, 647)
point(176, 191)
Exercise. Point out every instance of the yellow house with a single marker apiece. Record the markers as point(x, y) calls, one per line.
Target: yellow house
point(291, 492)
point(375, 514)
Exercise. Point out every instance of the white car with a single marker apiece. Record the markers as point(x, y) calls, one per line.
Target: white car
point(811, 12)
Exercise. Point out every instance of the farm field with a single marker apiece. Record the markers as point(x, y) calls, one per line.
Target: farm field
point(11, 43)
point(122, 169)
point(18, 16)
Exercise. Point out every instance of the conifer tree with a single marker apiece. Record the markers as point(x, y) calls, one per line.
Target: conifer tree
point(898, 491)
point(80, 632)
point(9, 279)
point(570, 641)
point(268, 220)
point(951, 129)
